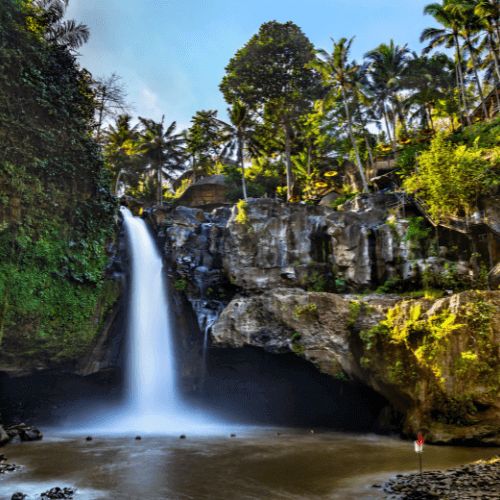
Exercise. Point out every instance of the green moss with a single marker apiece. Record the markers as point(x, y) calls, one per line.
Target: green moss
point(354, 312)
point(304, 311)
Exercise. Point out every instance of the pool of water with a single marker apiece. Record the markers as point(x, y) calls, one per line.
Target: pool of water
point(257, 464)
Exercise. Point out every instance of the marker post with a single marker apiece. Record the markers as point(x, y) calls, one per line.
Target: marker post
point(419, 446)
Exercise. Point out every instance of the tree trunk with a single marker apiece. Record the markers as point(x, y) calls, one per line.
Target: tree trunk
point(478, 82)
point(242, 164)
point(308, 156)
point(159, 194)
point(388, 130)
point(289, 179)
point(101, 110)
point(360, 167)
point(369, 151)
point(462, 119)
point(430, 118)
point(462, 87)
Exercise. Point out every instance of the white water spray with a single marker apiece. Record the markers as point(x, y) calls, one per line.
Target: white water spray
point(152, 403)
point(150, 382)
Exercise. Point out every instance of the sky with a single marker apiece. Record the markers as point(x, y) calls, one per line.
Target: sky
point(171, 54)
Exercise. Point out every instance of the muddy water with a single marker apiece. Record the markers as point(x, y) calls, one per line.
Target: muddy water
point(255, 465)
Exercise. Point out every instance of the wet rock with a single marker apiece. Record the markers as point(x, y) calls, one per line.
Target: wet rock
point(233, 435)
point(137, 438)
point(478, 480)
point(23, 432)
point(4, 437)
point(88, 438)
point(182, 436)
point(56, 493)
point(18, 496)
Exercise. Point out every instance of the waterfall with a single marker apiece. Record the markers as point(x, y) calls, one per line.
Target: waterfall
point(151, 379)
point(152, 402)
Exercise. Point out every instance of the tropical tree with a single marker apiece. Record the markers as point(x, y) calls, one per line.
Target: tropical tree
point(471, 25)
point(57, 31)
point(269, 75)
point(337, 74)
point(387, 70)
point(239, 135)
point(110, 99)
point(202, 141)
point(428, 78)
point(161, 149)
point(449, 36)
point(119, 141)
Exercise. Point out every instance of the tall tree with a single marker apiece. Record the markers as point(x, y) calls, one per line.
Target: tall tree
point(471, 25)
point(110, 99)
point(270, 72)
point(119, 140)
point(202, 141)
point(57, 31)
point(239, 135)
point(388, 66)
point(337, 74)
point(162, 149)
point(449, 36)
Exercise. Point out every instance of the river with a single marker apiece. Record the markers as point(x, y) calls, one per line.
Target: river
point(257, 464)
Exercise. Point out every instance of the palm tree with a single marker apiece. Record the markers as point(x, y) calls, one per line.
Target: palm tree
point(239, 135)
point(119, 140)
point(57, 31)
point(202, 140)
point(471, 25)
point(363, 100)
point(428, 78)
point(162, 150)
point(448, 36)
point(336, 73)
point(490, 11)
point(388, 64)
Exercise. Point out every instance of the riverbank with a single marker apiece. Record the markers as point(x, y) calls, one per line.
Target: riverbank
point(479, 479)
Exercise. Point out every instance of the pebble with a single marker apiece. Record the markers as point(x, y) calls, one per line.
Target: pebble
point(56, 493)
point(477, 480)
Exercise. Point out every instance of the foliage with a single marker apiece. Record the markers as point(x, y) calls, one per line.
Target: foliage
point(392, 285)
point(406, 161)
point(242, 216)
point(269, 74)
point(340, 285)
point(447, 279)
point(454, 409)
point(53, 247)
point(347, 194)
point(253, 191)
point(354, 311)
point(314, 282)
point(451, 178)
point(417, 234)
point(180, 284)
point(297, 346)
point(306, 311)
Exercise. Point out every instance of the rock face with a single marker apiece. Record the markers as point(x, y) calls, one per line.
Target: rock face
point(269, 275)
point(419, 375)
point(215, 257)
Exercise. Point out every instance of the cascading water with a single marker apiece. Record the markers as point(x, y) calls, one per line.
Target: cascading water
point(152, 402)
point(151, 378)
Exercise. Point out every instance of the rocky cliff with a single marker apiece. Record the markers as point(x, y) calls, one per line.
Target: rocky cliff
point(276, 277)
